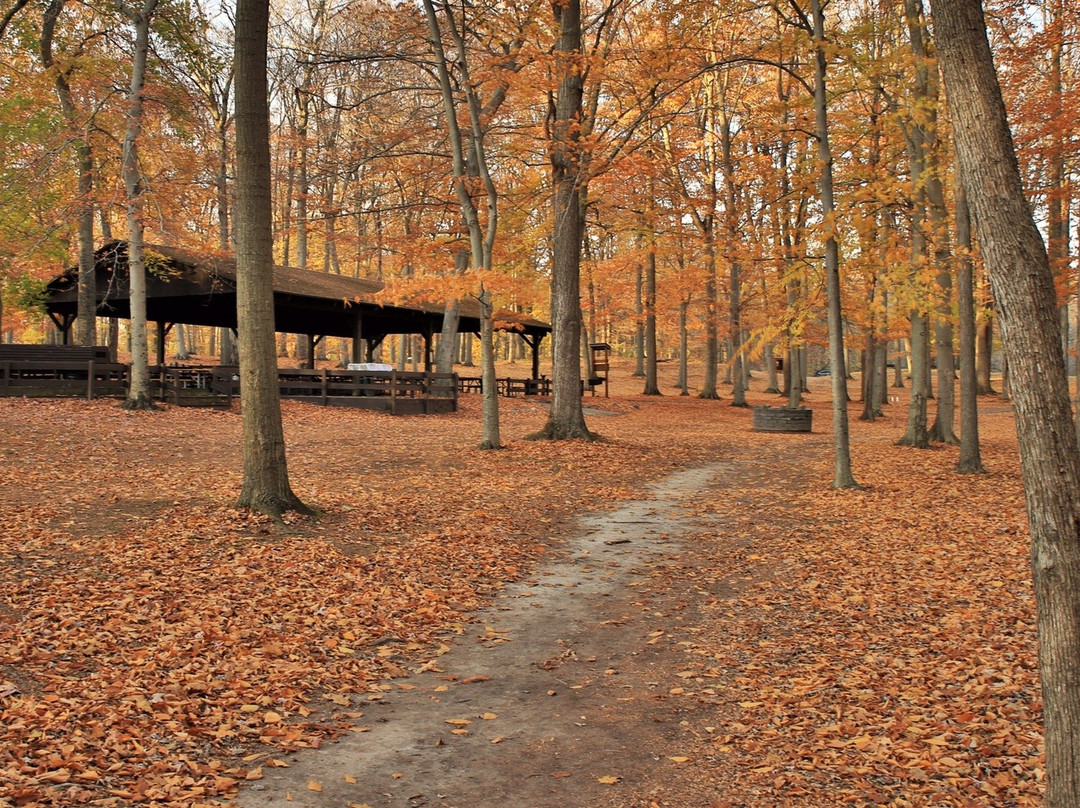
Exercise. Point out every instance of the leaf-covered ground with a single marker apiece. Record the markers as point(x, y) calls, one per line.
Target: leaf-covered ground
point(159, 647)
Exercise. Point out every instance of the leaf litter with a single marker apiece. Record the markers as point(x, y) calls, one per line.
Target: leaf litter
point(158, 646)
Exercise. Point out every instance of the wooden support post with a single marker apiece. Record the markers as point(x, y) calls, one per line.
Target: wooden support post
point(63, 325)
point(535, 346)
point(162, 330)
point(358, 344)
point(372, 344)
point(311, 351)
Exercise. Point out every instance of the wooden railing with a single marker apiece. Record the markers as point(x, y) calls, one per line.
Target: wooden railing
point(396, 392)
point(51, 377)
point(507, 386)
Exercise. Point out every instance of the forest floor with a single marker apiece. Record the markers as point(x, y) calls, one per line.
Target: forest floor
point(717, 627)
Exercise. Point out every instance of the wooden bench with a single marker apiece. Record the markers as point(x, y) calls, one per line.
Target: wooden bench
point(524, 387)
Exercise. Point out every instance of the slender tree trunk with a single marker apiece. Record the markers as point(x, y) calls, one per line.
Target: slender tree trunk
point(933, 195)
point(139, 386)
point(878, 388)
point(86, 328)
point(870, 398)
point(712, 337)
point(918, 432)
point(773, 385)
point(639, 320)
point(265, 485)
point(970, 461)
point(738, 388)
point(1076, 366)
point(491, 438)
point(684, 348)
point(469, 165)
point(566, 419)
point(80, 136)
point(1020, 272)
point(652, 387)
point(843, 477)
point(984, 343)
point(444, 353)
point(182, 350)
point(221, 181)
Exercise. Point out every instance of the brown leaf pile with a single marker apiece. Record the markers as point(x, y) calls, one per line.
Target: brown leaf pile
point(152, 637)
point(158, 646)
point(880, 649)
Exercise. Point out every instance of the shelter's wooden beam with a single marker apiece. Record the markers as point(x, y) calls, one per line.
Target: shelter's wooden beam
point(64, 324)
point(358, 348)
point(313, 341)
point(534, 345)
point(373, 343)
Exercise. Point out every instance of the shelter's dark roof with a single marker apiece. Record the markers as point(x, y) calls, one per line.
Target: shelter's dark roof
point(199, 288)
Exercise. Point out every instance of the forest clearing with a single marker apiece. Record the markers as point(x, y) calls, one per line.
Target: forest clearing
point(806, 647)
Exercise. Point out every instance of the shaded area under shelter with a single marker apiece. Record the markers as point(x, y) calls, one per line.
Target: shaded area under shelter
point(199, 288)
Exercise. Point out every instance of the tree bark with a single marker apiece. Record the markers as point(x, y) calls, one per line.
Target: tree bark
point(639, 320)
point(731, 226)
point(1023, 284)
point(652, 387)
point(712, 337)
point(466, 165)
point(970, 460)
point(684, 347)
point(265, 485)
point(139, 385)
point(566, 419)
point(984, 347)
point(85, 329)
point(843, 477)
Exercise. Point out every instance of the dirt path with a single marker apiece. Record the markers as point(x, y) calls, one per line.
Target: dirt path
point(546, 697)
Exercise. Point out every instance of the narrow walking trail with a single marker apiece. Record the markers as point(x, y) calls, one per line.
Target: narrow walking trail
point(550, 697)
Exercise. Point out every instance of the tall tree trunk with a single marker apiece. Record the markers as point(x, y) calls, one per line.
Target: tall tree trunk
point(1020, 272)
point(182, 349)
point(652, 387)
point(918, 136)
point(684, 348)
point(221, 183)
point(444, 352)
point(86, 331)
point(302, 179)
point(469, 165)
point(926, 170)
point(984, 347)
point(265, 485)
point(712, 336)
point(139, 386)
point(566, 419)
point(918, 432)
point(1058, 194)
point(490, 396)
point(970, 461)
point(769, 360)
point(843, 477)
point(639, 319)
point(731, 225)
